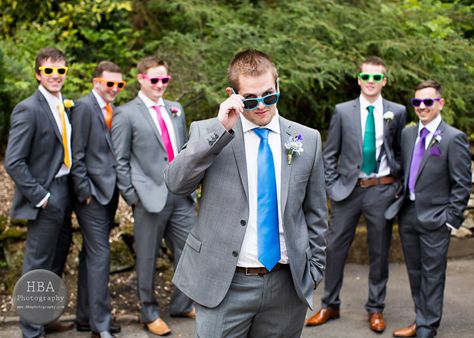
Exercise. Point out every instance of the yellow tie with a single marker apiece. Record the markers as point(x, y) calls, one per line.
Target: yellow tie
point(67, 160)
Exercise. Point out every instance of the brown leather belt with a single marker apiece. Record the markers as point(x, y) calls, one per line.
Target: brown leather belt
point(370, 182)
point(260, 271)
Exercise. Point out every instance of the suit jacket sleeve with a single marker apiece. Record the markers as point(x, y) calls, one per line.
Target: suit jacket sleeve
point(18, 152)
point(122, 142)
point(81, 124)
point(332, 149)
point(459, 163)
point(316, 214)
point(183, 175)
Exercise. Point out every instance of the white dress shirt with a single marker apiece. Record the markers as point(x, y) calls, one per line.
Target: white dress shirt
point(384, 169)
point(249, 251)
point(164, 114)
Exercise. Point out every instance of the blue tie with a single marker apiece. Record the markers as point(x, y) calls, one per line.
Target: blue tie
point(267, 204)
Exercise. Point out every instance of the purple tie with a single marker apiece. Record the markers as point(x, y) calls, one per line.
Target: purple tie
point(418, 153)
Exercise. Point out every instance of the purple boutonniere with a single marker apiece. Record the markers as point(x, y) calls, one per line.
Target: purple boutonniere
point(294, 146)
point(175, 111)
point(435, 149)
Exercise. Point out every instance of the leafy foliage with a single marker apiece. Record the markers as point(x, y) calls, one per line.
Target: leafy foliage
point(317, 46)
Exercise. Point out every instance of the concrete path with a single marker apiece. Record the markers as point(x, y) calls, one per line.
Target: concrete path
point(458, 320)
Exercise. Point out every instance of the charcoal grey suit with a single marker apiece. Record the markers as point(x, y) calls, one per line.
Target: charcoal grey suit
point(33, 157)
point(94, 176)
point(442, 190)
point(141, 160)
point(207, 269)
point(342, 163)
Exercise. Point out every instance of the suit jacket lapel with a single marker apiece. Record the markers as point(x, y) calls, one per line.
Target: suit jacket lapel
point(285, 132)
point(175, 122)
point(100, 116)
point(45, 109)
point(427, 152)
point(356, 122)
point(146, 115)
point(238, 146)
point(385, 143)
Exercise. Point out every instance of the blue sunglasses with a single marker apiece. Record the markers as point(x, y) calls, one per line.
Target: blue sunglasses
point(252, 103)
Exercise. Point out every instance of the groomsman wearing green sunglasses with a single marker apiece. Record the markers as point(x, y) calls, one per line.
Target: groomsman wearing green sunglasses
point(362, 166)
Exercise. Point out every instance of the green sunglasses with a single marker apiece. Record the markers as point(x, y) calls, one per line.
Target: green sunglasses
point(371, 77)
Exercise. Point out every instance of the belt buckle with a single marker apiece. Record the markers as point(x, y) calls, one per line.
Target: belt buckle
point(249, 273)
point(363, 183)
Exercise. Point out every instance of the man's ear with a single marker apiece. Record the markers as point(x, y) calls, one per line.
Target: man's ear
point(230, 91)
point(277, 83)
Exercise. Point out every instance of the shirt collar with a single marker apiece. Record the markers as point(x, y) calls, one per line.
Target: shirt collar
point(377, 103)
point(52, 100)
point(148, 102)
point(273, 125)
point(431, 126)
point(99, 99)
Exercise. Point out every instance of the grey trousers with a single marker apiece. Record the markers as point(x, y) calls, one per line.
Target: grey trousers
point(255, 307)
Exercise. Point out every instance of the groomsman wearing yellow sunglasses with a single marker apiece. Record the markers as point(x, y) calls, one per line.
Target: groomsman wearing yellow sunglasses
point(38, 159)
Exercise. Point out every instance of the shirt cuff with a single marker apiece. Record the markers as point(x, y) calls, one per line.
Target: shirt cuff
point(450, 226)
point(40, 204)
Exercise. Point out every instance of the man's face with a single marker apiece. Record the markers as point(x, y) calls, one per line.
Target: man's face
point(153, 91)
point(370, 89)
point(258, 86)
point(55, 82)
point(107, 93)
point(424, 113)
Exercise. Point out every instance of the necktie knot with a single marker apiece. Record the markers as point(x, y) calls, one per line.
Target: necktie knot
point(371, 109)
point(424, 132)
point(262, 133)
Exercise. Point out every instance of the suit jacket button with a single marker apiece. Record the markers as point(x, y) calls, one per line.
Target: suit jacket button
point(235, 253)
point(166, 159)
point(243, 223)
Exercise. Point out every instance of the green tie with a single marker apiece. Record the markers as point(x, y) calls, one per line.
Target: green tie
point(368, 150)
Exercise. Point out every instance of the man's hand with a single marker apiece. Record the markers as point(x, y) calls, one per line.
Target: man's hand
point(229, 110)
point(88, 200)
point(45, 204)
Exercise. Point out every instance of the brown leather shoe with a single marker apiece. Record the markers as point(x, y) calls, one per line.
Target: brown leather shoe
point(409, 331)
point(322, 316)
point(377, 323)
point(191, 314)
point(58, 326)
point(158, 327)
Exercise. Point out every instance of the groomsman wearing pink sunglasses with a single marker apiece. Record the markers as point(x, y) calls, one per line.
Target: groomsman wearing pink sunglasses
point(147, 134)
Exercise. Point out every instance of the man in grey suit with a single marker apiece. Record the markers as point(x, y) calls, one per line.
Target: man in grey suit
point(94, 177)
point(147, 133)
point(437, 184)
point(38, 160)
point(362, 163)
point(257, 252)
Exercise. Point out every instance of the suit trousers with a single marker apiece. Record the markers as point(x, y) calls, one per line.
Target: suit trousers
point(370, 202)
point(426, 256)
point(95, 221)
point(255, 306)
point(48, 239)
point(173, 224)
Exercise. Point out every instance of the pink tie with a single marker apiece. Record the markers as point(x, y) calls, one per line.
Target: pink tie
point(165, 136)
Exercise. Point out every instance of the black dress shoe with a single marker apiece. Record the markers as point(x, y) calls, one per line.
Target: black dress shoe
point(85, 327)
point(58, 326)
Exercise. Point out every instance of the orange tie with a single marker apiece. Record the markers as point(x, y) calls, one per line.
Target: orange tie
point(108, 115)
point(62, 115)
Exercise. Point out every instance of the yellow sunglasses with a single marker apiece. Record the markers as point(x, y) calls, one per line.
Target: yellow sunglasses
point(48, 71)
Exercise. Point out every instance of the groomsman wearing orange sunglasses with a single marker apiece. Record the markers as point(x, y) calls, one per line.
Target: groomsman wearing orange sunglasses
point(38, 159)
point(94, 177)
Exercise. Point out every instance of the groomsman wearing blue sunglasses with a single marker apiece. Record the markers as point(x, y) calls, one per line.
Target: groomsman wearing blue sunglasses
point(252, 261)
point(437, 184)
point(362, 166)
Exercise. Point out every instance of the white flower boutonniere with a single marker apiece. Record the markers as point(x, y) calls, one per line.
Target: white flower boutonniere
point(68, 104)
point(175, 111)
point(388, 116)
point(437, 136)
point(294, 145)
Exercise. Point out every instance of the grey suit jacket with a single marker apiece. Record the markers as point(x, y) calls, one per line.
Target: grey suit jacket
point(343, 149)
point(93, 164)
point(34, 154)
point(216, 158)
point(141, 155)
point(443, 184)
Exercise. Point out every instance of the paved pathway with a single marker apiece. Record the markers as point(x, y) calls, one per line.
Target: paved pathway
point(458, 320)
